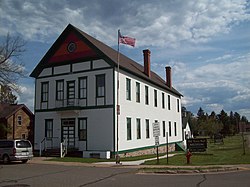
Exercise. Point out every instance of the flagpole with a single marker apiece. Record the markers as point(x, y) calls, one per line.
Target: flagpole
point(118, 106)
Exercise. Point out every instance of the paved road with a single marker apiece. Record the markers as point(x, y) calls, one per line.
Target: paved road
point(37, 175)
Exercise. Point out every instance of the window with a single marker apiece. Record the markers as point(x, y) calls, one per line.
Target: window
point(82, 129)
point(100, 85)
point(169, 129)
point(128, 89)
point(59, 90)
point(129, 133)
point(49, 128)
point(169, 104)
point(44, 91)
point(175, 129)
point(163, 129)
point(19, 120)
point(138, 127)
point(82, 88)
point(138, 92)
point(163, 100)
point(146, 95)
point(23, 136)
point(178, 105)
point(147, 128)
point(155, 98)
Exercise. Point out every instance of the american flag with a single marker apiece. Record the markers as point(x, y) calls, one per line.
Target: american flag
point(126, 40)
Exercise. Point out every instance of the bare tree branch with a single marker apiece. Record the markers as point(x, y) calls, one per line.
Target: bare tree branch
point(11, 68)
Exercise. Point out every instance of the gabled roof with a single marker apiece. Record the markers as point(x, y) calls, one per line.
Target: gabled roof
point(6, 110)
point(105, 52)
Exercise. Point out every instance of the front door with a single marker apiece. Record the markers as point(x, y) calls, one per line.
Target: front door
point(68, 131)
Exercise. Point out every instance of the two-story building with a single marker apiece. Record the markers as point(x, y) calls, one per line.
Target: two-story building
point(76, 98)
point(16, 122)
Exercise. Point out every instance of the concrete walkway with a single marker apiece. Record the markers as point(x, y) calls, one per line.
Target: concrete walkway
point(132, 163)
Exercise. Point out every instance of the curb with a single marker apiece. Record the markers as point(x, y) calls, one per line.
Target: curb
point(190, 171)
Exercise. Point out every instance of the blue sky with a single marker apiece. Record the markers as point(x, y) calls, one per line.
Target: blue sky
point(207, 43)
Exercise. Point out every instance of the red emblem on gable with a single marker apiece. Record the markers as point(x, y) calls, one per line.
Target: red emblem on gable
point(72, 49)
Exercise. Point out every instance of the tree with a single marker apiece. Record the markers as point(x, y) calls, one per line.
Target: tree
point(11, 69)
point(6, 95)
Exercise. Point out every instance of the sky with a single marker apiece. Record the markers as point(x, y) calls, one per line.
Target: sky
point(206, 42)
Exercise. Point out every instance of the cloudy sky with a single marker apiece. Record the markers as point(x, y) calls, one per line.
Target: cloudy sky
point(207, 43)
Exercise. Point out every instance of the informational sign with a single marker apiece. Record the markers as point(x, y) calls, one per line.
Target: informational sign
point(197, 144)
point(156, 129)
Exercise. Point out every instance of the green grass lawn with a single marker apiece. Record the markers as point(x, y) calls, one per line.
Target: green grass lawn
point(231, 152)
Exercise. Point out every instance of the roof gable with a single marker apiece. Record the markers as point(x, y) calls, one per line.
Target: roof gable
point(71, 49)
point(6, 110)
point(91, 47)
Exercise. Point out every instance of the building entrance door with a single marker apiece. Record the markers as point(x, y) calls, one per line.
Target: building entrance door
point(68, 132)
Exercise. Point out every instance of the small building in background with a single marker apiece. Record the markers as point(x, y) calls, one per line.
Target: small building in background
point(16, 122)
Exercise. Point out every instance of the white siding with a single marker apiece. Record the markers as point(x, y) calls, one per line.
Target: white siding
point(82, 66)
point(61, 69)
point(99, 127)
point(46, 72)
point(140, 110)
point(91, 93)
point(100, 64)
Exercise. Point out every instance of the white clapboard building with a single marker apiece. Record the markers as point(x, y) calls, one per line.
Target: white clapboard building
point(76, 99)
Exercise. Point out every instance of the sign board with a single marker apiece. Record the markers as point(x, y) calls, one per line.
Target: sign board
point(156, 129)
point(157, 141)
point(197, 144)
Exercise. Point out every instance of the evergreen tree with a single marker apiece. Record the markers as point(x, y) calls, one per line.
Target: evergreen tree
point(6, 95)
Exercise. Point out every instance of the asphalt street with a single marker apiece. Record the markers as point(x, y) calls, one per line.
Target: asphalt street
point(40, 175)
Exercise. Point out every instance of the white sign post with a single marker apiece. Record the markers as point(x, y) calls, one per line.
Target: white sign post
point(156, 134)
point(156, 129)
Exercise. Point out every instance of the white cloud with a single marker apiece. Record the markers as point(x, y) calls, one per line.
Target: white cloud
point(216, 86)
point(26, 96)
point(167, 23)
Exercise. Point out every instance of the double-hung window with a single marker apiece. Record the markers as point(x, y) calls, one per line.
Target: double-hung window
point(128, 89)
point(146, 95)
point(178, 105)
point(169, 103)
point(129, 131)
point(155, 98)
point(59, 90)
point(169, 129)
point(44, 91)
point(138, 127)
point(82, 129)
point(175, 129)
point(83, 88)
point(163, 100)
point(138, 92)
point(19, 120)
point(147, 128)
point(100, 85)
point(49, 128)
point(163, 129)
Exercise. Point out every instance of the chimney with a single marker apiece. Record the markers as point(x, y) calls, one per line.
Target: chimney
point(168, 77)
point(146, 55)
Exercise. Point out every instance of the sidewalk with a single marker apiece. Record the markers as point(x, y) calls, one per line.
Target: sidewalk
point(133, 163)
point(161, 169)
